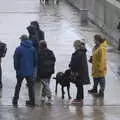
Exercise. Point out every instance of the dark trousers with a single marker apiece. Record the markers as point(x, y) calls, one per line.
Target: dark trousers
point(0, 74)
point(30, 88)
point(101, 82)
point(80, 92)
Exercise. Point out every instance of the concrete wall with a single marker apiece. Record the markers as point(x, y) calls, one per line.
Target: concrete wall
point(105, 13)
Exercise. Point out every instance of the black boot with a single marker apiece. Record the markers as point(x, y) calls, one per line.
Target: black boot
point(100, 94)
point(14, 102)
point(92, 91)
point(30, 103)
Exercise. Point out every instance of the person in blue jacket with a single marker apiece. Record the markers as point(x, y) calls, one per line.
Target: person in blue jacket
point(24, 64)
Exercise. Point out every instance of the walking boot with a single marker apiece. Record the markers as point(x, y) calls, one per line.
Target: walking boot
point(100, 94)
point(30, 103)
point(92, 91)
point(14, 102)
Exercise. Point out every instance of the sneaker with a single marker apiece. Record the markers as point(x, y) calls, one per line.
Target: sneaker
point(49, 102)
point(43, 99)
point(92, 91)
point(30, 103)
point(77, 101)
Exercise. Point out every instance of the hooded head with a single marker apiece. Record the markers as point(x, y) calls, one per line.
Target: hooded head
point(98, 39)
point(35, 24)
point(25, 41)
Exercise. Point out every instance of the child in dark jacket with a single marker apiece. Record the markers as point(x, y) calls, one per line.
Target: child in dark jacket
point(46, 64)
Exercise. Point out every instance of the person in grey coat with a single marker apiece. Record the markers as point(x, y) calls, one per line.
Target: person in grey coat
point(35, 34)
point(79, 68)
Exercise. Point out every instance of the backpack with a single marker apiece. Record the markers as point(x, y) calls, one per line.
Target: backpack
point(3, 49)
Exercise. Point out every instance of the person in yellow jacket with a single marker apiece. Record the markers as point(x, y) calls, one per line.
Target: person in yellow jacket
point(99, 65)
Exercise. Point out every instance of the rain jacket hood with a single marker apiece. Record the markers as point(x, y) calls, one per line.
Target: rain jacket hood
point(26, 43)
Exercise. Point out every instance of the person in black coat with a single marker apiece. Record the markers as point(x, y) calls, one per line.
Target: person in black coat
point(79, 67)
point(35, 33)
point(46, 64)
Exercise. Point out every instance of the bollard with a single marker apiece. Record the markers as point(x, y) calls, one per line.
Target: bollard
point(84, 16)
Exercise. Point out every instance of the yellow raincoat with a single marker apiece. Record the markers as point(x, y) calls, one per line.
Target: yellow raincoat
point(99, 61)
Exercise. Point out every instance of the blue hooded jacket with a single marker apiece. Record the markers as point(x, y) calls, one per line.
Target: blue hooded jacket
point(25, 59)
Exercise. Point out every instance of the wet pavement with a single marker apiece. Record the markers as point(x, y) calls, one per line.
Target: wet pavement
point(62, 26)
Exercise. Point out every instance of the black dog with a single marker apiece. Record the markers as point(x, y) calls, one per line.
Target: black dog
point(64, 80)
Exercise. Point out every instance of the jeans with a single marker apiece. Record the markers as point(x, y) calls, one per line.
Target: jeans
point(101, 81)
point(80, 92)
point(30, 88)
point(46, 88)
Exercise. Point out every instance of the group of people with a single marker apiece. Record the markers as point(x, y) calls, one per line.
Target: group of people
point(79, 67)
point(35, 62)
